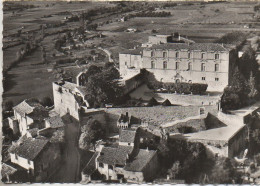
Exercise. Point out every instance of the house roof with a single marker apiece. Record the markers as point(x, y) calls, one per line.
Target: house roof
point(140, 161)
point(193, 46)
point(113, 156)
point(27, 107)
point(137, 51)
point(55, 122)
point(29, 148)
point(7, 170)
point(39, 113)
point(127, 136)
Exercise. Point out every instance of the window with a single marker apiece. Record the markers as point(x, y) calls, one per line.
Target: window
point(189, 55)
point(129, 144)
point(203, 78)
point(125, 63)
point(202, 55)
point(177, 65)
point(164, 54)
point(110, 167)
point(216, 67)
point(152, 53)
point(216, 56)
point(216, 79)
point(29, 162)
point(101, 165)
point(203, 67)
point(152, 64)
point(189, 66)
point(165, 65)
point(177, 54)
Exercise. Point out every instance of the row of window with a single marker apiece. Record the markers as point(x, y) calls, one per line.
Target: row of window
point(177, 55)
point(177, 66)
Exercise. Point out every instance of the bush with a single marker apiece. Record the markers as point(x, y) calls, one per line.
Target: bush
point(47, 101)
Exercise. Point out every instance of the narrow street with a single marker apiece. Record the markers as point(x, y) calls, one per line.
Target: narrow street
point(69, 170)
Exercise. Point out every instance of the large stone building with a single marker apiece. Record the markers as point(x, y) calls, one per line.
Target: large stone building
point(207, 63)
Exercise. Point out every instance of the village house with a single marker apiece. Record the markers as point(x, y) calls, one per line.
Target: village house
point(206, 63)
point(37, 155)
point(127, 161)
point(27, 115)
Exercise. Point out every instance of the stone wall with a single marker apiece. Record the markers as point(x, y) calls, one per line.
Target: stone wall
point(64, 101)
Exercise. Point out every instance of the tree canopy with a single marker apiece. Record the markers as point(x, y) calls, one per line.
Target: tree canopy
point(103, 86)
point(91, 132)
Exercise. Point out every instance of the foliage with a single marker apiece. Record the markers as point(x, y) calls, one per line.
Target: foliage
point(91, 132)
point(186, 88)
point(224, 172)
point(8, 105)
point(103, 86)
point(47, 101)
point(232, 38)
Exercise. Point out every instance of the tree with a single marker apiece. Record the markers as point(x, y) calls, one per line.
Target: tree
point(8, 106)
point(254, 93)
point(103, 86)
point(235, 95)
point(47, 102)
point(91, 132)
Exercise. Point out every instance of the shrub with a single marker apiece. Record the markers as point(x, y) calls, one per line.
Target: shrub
point(47, 101)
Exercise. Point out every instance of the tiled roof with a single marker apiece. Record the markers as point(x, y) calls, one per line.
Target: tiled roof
point(55, 122)
point(29, 148)
point(26, 107)
point(39, 113)
point(7, 170)
point(113, 156)
point(137, 51)
point(192, 46)
point(127, 136)
point(140, 161)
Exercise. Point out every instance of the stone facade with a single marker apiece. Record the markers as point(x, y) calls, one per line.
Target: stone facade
point(180, 62)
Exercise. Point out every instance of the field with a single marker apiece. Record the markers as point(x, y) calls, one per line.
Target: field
point(199, 22)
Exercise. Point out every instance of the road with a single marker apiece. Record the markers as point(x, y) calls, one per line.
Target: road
point(69, 171)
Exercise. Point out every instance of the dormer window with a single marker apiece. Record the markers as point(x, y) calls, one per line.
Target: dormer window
point(203, 56)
